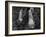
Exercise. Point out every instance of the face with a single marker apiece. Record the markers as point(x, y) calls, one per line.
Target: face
point(30, 12)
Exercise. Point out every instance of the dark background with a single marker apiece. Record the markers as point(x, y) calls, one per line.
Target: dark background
point(17, 25)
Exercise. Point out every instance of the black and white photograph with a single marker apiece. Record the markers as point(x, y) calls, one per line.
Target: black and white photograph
point(24, 18)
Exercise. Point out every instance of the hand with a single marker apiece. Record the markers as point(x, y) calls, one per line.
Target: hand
point(20, 20)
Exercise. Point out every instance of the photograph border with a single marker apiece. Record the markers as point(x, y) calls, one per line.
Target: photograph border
point(6, 18)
